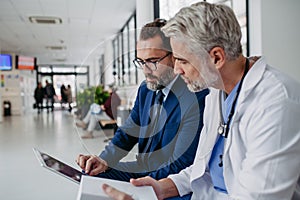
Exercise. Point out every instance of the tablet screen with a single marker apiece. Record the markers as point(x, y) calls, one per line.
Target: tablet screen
point(57, 166)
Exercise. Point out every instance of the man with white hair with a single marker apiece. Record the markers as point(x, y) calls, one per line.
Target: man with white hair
point(250, 142)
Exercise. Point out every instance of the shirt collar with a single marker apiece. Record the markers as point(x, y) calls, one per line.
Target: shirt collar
point(167, 89)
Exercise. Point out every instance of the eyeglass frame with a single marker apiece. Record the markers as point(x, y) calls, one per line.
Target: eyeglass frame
point(139, 63)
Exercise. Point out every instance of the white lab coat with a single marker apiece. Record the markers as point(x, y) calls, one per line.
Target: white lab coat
point(261, 153)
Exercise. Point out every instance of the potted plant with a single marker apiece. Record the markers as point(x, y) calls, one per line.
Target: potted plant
point(94, 94)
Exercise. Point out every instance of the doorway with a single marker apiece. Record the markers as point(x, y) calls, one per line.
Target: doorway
point(76, 77)
point(58, 81)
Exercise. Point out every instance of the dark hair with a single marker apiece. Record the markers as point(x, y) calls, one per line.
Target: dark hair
point(153, 29)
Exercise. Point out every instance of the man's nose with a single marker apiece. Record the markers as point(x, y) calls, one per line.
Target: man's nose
point(146, 69)
point(178, 69)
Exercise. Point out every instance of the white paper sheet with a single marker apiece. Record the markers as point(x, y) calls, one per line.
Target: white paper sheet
point(91, 189)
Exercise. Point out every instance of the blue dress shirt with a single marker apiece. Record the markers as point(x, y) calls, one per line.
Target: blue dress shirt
point(215, 167)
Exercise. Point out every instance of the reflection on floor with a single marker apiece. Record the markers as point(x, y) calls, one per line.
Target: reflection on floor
point(21, 176)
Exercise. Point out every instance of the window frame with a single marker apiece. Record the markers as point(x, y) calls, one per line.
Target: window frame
point(124, 51)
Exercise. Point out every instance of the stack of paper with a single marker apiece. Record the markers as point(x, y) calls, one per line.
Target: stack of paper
point(91, 189)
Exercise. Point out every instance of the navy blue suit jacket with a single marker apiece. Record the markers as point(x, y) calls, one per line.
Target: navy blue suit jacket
point(173, 147)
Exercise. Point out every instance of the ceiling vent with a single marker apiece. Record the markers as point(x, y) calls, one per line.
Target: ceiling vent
point(60, 59)
point(45, 20)
point(56, 47)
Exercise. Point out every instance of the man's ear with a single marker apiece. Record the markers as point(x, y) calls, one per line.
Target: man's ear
point(217, 55)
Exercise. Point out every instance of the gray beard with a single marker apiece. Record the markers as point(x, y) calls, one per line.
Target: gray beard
point(162, 81)
point(196, 87)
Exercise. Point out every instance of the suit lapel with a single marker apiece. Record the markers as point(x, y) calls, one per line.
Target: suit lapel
point(169, 105)
point(149, 100)
point(174, 96)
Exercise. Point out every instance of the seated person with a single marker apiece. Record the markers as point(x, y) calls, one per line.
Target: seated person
point(166, 141)
point(107, 111)
point(259, 158)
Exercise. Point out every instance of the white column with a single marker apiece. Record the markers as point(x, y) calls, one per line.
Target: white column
point(144, 15)
point(144, 12)
point(108, 61)
point(1, 109)
point(274, 33)
point(255, 27)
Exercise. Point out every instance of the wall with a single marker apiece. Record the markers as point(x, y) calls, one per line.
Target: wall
point(10, 89)
point(274, 33)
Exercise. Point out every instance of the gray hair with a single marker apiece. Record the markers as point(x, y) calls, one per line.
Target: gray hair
point(205, 25)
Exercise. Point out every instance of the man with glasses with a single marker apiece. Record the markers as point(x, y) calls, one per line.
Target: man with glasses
point(165, 122)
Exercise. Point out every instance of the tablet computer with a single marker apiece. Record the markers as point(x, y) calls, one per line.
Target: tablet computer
point(57, 166)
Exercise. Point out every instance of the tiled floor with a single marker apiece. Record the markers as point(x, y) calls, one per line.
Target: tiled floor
point(21, 176)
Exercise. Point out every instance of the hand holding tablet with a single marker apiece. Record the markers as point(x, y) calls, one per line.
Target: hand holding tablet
point(91, 187)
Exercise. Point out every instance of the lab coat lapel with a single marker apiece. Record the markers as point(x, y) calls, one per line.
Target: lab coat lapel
point(255, 74)
point(208, 134)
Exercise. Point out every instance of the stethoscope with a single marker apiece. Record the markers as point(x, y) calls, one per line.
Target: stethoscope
point(223, 128)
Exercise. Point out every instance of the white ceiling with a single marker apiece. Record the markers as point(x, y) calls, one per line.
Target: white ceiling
point(85, 24)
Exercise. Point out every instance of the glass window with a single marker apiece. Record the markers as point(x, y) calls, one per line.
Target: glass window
point(63, 69)
point(123, 53)
point(168, 9)
point(120, 59)
point(45, 69)
point(239, 8)
point(133, 79)
point(81, 69)
point(101, 68)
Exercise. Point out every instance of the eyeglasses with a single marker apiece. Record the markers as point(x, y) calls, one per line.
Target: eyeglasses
point(152, 65)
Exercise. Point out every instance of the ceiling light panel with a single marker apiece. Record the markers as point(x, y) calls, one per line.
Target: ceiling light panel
point(56, 47)
point(45, 20)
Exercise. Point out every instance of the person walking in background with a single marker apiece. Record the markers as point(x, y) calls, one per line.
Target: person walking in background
point(68, 96)
point(64, 98)
point(39, 94)
point(49, 93)
point(107, 111)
